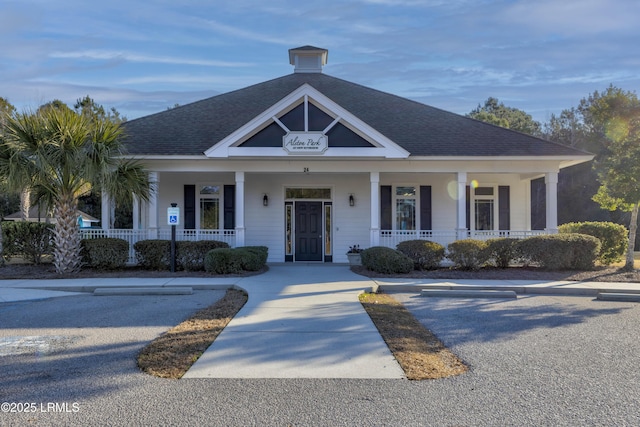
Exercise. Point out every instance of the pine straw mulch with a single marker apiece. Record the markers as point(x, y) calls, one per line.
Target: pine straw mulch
point(598, 274)
point(418, 351)
point(172, 354)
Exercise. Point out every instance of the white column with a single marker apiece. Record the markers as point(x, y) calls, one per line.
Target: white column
point(240, 209)
point(374, 177)
point(105, 214)
point(461, 222)
point(551, 184)
point(153, 205)
point(136, 213)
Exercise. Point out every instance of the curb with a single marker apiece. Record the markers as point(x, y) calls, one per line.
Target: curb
point(468, 293)
point(182, 290)
point(619, 296)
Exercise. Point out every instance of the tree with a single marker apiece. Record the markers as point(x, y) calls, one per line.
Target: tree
point(87, 107)
point(61, 155)
point(6, 110)
point(576, 184)
point(613, 117)
point(498, 114)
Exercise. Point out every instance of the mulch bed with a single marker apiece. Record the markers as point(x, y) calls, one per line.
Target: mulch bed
point(418, 351)
point(600, 274)
point(172, 353)
point(47, 271)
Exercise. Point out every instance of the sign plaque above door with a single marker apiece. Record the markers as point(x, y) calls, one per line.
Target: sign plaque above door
point(308, 143)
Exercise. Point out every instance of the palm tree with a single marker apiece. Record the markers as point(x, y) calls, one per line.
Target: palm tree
point(61, 155)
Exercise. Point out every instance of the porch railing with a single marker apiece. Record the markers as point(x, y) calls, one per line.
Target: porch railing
point(514, 234)
point(133, 236)
point(391, 238)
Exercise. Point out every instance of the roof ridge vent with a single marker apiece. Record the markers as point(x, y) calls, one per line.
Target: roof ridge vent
point(308, 59)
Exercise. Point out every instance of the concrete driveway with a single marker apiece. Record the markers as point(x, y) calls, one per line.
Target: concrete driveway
point(537, 360)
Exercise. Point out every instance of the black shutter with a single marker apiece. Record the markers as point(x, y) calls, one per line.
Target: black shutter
point(538, 204)
point(229, 207)
point(385, 207)
point(504, 211)
point(468, 207)
point(189, 207)
point(425, 207)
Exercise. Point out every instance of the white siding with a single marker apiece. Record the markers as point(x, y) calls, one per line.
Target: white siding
point(265, 225)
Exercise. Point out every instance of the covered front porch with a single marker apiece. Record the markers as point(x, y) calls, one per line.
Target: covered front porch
point(388, 238)
point(363, 208)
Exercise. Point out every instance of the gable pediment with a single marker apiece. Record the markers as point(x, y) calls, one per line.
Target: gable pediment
point(306, 123)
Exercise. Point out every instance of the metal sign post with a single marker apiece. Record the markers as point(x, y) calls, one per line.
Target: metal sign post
point(173, 219)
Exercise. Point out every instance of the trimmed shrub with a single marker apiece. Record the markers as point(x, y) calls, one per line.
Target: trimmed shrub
point(614, 238)
point(249, 260)
point(426, 255)
point(31, 240)
point(386, 260)
point(233, 261)
point(105, 253)
point(153, 254)
point(561, 251)
point(223, 261)
point(190, 255)
point(502, 251)
point(256, 257)
point(468, 254)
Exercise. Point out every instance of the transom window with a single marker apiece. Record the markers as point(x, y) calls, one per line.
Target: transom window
point(308, 193)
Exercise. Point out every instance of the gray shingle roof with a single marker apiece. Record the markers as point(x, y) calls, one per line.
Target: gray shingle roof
point(418, 128)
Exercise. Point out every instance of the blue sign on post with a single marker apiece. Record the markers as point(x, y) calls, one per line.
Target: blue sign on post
point(173, 216)
point(173, 219)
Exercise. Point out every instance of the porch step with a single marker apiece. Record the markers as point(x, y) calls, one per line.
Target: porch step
point(466, 293)
point(149, 290)
point(618, 296)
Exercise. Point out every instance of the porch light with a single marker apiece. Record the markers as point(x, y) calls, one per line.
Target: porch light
point(265, 200)
point(352, 201)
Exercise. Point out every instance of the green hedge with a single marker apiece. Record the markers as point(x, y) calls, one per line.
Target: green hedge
point(468, 254)
point(31, 240)
point(190, 255)
point(236, 260)
point(561, 251)
point(614, 238)
point(153, 254)
point(223, 261)
point(386, 260)
point(503, 251)
point(426, 255)
point(255, 257)
point(105, 253)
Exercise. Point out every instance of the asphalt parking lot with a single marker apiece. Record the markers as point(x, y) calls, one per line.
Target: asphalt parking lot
point(537, 360)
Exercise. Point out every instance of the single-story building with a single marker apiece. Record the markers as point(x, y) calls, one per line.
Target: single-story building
point(309, 165)
point(39, 214)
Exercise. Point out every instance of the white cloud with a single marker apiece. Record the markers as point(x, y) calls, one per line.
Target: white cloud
point(574, 17)
point(134, 57)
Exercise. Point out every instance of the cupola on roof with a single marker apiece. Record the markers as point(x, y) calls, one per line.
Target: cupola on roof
point(308, 59)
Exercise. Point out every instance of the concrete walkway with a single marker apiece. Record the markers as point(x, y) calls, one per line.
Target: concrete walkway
point(301, 321)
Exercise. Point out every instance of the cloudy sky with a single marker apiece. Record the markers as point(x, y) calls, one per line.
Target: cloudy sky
point(141, 57)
